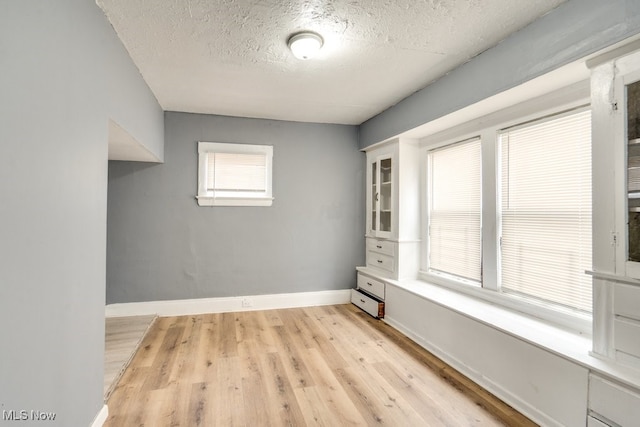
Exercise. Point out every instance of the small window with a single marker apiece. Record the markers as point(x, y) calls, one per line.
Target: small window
point(234, 174)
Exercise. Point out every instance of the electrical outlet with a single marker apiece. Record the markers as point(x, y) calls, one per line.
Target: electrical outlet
point(246, 302)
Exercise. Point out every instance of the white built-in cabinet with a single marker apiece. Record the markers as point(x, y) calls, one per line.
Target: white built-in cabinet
point(625, 117)
point(392, 225)
point(392, 234)
point(615, 91)
point(615, 102)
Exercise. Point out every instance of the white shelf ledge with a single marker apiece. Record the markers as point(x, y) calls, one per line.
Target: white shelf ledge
point(613, 277)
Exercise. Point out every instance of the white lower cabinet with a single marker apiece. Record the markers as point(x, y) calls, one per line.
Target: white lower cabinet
point(381, 256)
point(626, 324)
point(369, 295)
point(627, 335)
point(370, 285)
point(612, 404)
point(381, 246)
point(381, 261)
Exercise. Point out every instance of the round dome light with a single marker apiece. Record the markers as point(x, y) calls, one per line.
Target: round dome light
point(305, 45)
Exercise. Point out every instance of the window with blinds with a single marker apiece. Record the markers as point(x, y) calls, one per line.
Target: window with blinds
point(229, 173)
point(454, 246)
point(234, 174)
point(545, 214)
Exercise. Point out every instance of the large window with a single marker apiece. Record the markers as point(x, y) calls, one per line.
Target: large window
point(510, 212)
point(546, 209)
point(234, 174)
point(455, 210)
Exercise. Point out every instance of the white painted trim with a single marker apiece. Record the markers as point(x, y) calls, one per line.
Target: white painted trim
point(234, 201)
point(101, 417)
point(561, 99)
point(229, 304)
point(477, 377)
point(614, 277)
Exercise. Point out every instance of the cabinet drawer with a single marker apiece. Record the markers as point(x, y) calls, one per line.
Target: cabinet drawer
point(594, 422)
point(368, 304)
point(378, 260)
point(614, 402)
point(370, 285)
point(382, 246)
point(627, 336)
point(626, 300)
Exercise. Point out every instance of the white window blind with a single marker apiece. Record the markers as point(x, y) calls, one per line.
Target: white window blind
point(236, 172)
point(455, 210)
point(546, 210)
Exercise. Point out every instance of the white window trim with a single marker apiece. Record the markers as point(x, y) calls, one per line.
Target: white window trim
point(205, 199)
point(488, 127)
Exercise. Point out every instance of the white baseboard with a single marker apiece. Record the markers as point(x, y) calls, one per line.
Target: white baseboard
point(228, 304)
point(101, 417)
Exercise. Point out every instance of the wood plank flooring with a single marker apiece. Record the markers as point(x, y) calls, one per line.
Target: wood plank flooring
point(122, 337)
point(316, 366)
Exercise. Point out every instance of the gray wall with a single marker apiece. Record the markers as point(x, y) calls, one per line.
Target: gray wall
point(571, 31)
point(163, 246)
point(54, 109)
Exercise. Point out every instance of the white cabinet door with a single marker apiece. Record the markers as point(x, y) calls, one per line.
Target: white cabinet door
point(625, 114)
point(380, 195)
point(614, 402)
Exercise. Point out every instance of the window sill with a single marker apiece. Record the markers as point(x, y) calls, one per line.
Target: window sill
point(233, 201)
point(561, 317)
point(572, 346)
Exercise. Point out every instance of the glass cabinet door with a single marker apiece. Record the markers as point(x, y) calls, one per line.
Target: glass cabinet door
point(633, 171)
point(380, 208)
point(385, 195)
point(374, 197)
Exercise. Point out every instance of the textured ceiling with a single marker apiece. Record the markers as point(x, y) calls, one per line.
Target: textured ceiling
point(230, 57)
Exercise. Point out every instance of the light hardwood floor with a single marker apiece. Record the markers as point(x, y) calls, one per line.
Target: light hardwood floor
point(122, 337)
point(329, 366)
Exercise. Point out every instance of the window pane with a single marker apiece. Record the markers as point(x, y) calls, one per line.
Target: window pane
point(385, 194)
point(374, 195)
point(237, 172)
point(455, 210)
point(546, 210)
point(633, 171)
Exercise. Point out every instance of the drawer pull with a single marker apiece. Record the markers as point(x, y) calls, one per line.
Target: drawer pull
point(378, 246)
point(379, 261)
point(362, 301)
point(370, 284)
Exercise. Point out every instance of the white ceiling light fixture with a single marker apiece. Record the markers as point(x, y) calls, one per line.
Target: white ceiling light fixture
point(305, 45)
